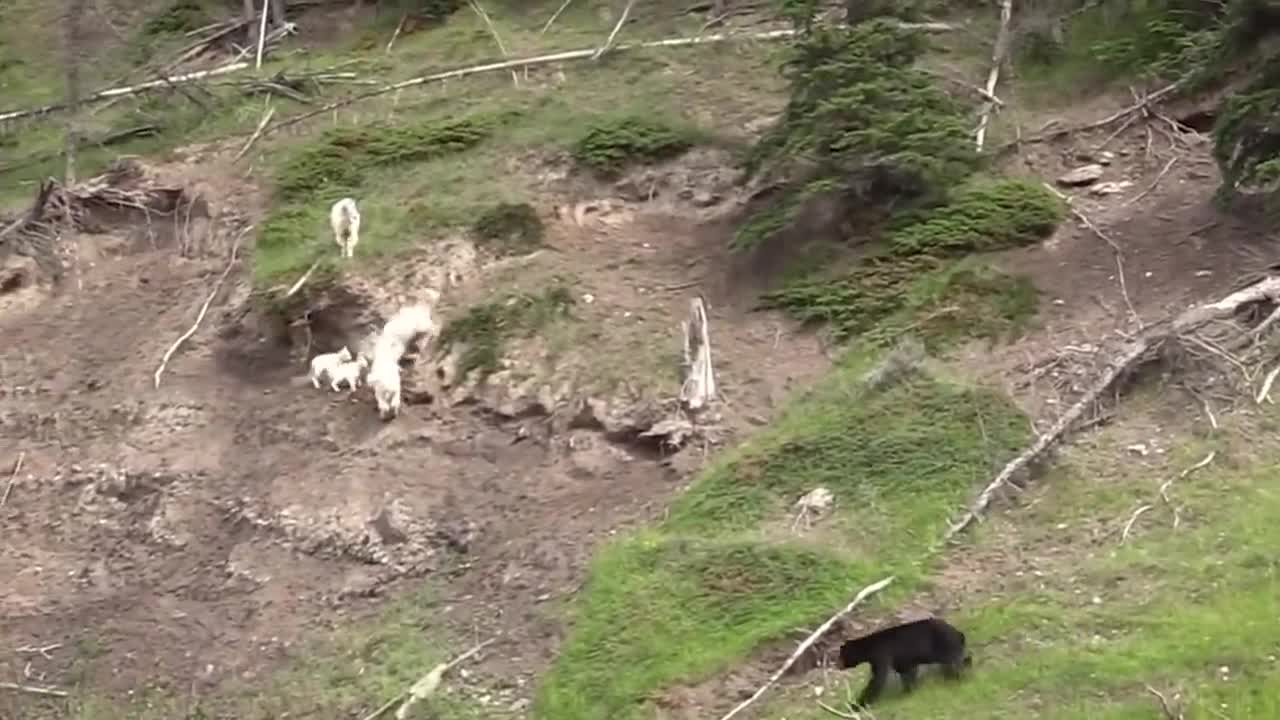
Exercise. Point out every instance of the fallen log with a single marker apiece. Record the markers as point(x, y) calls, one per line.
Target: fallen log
point(1131, 356)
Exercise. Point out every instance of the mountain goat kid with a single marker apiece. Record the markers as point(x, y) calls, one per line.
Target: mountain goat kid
point(349, 373)
point(384, 374)
point(327, 364)
point(344, 217)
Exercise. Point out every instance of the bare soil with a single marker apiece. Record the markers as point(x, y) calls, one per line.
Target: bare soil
point(185, 536)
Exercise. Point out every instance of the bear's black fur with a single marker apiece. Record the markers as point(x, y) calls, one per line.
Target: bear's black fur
point(903, 648)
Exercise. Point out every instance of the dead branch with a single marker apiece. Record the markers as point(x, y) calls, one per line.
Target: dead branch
point(13, 476)
point(564, 56)
point(1115, 247)
point(262, 35)
point(42, 651)
point(302, 280)
point(266, 118)
point(1123, 114)
point(128, 90)
point(399, 27)
point(1265, 392)
point(808, 642)
point(426, 685)
point(1164, 487)
point(52, 692)
point(1165, 707)
point(1132, 519)
point(1154, 183)
point(993, 77)
point(837, 713)
point(1266, 289)
point(231, 261)
point(554, 16)
point(493, 32)
point(608, 44)
point(975, 89)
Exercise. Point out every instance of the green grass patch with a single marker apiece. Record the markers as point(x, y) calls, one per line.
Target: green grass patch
point(614, 142)
point(1169, 608)
point(346, 161)
point(484, 330)
point(510, 229)
point(691, 597)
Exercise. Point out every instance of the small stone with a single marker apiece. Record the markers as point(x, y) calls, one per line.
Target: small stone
point(1111, 188)
point(1083, 175)
point(705, 199)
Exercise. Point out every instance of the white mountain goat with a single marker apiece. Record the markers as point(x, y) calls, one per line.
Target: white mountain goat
point(327, 364)
point(344, 217)
point(349, 373)
point(384, 374)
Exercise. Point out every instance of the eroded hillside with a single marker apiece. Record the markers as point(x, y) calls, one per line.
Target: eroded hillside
point(216, 538)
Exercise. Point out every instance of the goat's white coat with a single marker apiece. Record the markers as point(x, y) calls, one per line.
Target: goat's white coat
point(344, 218)
point(384, 374)
point(349, 373)
point(327, 364)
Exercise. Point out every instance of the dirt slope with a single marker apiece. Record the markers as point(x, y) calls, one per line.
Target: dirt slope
point(183, 536)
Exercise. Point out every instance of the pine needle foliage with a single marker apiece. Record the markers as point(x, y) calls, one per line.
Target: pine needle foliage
point(862, 122)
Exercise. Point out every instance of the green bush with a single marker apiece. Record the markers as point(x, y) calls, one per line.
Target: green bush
point(1247, 135)
point(612, 143)
point(981, 216)
point(335, 163)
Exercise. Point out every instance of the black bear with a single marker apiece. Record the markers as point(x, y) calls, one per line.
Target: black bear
point(903, 648)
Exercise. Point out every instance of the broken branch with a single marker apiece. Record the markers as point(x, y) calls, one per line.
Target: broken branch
point(266, 118)
point(808, 642)
point(554, 16)
point(608, 44)
point(493, 31)
point(13, 476)
point(426, 685)
point(164, 362)
point(1268, 288)
point(32, 689)
point(559, 57)
point(1132, 519)
point(993, 77)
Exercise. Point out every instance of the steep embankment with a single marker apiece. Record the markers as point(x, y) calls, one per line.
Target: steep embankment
point(235, 543)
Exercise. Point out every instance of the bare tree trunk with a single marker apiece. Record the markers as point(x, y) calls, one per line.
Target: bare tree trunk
point(278, 12)
point(72, 40)
point(251, 19)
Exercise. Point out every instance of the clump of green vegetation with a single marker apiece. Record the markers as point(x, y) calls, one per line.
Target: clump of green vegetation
point(917, 286)
point(884, 297)
point(612, 143)
point(981, 216)
point(510, 228)
point(335, 163)
point(689, 599)
point(485, 329)
point(1246, 138)
point(861, 124)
